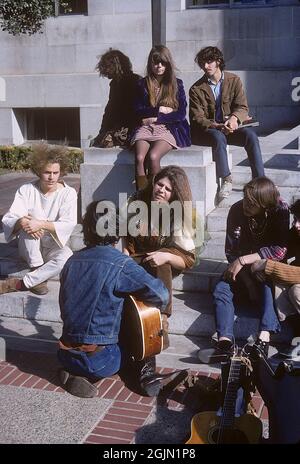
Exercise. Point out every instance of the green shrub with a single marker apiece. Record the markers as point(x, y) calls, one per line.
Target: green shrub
point(15, 158)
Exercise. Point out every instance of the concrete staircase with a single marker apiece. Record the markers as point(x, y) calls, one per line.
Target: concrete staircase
point(33, 323)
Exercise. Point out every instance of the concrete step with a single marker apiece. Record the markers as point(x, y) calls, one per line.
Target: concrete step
point(193, 314)
point(42, 337)
point(281, 177)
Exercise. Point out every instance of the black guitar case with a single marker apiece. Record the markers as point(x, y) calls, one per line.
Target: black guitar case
point(279, 387)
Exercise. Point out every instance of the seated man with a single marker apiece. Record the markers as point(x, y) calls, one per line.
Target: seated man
point(42, 216)
point(287, 278)
point(94, 283)
point(217, 106)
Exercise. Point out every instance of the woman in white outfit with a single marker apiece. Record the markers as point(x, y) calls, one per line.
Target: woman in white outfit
point(42, 216)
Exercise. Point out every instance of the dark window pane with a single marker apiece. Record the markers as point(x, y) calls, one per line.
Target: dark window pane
point(76, 7)
point(56, 125)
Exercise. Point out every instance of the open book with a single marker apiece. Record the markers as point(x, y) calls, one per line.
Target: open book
point(249, 123)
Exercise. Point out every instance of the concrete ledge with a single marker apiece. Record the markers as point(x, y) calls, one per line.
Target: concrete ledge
point(106, 173)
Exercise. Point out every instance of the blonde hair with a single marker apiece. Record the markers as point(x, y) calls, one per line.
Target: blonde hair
point(168, 87)
point(43, 154)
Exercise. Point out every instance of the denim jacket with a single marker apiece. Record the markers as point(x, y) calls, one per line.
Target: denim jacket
point(94, 283)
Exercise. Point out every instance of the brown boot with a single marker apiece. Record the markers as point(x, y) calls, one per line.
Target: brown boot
point(40, 289)
point(141, 182)
point(165, 330)
point(10, 285)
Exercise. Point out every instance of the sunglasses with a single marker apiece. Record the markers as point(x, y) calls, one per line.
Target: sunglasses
point(157, 60)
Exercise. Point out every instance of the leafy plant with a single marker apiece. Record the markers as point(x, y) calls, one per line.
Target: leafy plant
point(15, 158)
point(21, 17)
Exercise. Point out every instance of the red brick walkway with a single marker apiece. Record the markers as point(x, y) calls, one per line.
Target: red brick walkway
point(128, 411)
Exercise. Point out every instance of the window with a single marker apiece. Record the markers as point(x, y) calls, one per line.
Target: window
point(56, 125)
point(71, 7)
point(236, 3)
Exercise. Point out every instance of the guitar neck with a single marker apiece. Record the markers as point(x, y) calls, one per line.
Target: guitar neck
point(228, 410)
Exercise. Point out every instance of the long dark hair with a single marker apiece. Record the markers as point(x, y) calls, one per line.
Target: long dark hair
point(168, 87)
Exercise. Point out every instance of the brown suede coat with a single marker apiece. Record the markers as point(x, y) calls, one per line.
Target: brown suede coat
point(202, 102)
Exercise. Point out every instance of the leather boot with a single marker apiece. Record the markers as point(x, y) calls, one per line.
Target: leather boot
point(149, 380)
point(165, 330)
point(150, 179)
point(141, 182)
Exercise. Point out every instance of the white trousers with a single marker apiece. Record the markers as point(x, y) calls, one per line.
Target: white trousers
point(45, 253)
point(287, 300)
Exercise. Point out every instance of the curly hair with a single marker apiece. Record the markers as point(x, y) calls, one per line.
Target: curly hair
point(209, 54)
point(43, 154)
point(114, 62)
point(261, 192)
point(181, 189)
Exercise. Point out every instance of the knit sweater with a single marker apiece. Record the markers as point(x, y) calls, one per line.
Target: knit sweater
point(283, 273)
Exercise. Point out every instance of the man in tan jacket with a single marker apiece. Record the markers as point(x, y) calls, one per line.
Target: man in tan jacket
point(287, 280)
point(218, 106)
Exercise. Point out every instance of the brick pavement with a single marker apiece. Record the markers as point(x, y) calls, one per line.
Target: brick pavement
point(128, 411)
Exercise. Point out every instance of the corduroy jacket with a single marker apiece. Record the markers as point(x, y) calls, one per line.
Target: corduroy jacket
point(203, 107)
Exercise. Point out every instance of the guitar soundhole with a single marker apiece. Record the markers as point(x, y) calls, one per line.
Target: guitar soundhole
point(228, 436)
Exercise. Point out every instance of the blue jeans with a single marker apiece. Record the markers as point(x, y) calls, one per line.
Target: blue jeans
point(225, 306)
point(245, 137)
point(98, 365)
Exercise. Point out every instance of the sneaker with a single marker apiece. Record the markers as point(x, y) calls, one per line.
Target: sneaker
point(40, 289)
point(291, 352)
point(223, 350)
point(76, 385)
point(225, 190)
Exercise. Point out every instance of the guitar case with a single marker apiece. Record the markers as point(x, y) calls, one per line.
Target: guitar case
point(278, 383)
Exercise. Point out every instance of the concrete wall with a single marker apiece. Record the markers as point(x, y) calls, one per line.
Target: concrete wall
point(56, 68)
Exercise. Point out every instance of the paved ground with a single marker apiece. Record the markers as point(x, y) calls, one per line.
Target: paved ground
point(35, 409)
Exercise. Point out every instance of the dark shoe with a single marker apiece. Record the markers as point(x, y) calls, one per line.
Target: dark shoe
point(10, 285)
point(256, 351)
point(76, 385)
point(149, 381)
point(40, 289)
point(290, 352)
point(223, 350)
point(261, 346)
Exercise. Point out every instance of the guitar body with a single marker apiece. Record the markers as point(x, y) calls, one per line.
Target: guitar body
point(141, 329)
point(205, 429)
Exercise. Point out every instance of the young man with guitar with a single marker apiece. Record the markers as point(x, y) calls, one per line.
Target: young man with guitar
point(94, 284)
point(218, 112)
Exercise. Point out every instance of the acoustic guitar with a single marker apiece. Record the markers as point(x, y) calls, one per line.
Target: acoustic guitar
point(209, 428)
point(141, 329)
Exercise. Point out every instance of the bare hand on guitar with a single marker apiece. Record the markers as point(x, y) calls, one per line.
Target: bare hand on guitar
point(156, 258)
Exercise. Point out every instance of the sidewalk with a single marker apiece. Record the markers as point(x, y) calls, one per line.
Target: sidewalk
point(35, 409)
